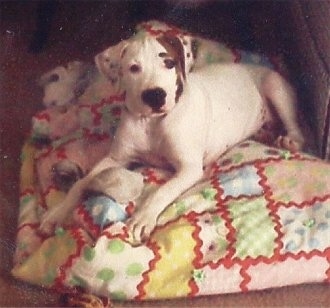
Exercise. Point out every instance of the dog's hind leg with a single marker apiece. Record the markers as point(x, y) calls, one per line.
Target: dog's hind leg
point(284, 100)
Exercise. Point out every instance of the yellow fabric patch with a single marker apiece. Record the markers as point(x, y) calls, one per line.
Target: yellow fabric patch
point(47, 260)
point(173, 271)
point(27, 179)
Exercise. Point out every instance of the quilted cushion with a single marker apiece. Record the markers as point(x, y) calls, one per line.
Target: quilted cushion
point(261, 220)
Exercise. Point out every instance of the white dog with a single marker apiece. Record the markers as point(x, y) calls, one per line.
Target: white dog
point(170, 112)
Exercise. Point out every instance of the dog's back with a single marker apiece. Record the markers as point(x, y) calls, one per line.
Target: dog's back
point(229, 96)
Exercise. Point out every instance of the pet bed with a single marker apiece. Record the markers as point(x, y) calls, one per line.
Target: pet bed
point(260, 220)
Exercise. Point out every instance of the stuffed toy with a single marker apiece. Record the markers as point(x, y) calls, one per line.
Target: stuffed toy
point(73, 131)
point(68, 92)
point(63, 85)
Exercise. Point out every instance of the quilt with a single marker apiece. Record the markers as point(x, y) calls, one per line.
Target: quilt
point(261, 219)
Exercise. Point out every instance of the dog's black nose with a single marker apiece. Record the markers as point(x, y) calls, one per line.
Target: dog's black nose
point(154, 98)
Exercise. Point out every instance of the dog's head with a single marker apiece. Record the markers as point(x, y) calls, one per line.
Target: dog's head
point(152, 73)
point(108, 61)
point(63, 85)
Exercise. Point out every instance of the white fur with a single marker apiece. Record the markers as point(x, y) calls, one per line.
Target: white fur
point(221, 104)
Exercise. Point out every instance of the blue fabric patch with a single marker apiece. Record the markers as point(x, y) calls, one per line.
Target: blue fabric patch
point(104, 210)
point(238, 182)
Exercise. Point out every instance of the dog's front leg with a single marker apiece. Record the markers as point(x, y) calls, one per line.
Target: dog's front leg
point(55, 216)
point(144, 219)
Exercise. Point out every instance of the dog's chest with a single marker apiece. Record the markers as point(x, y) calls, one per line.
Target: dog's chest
point(147, 140)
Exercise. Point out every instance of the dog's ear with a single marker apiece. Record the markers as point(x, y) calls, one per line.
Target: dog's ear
point(174, 44)
point(123, 48)
point(108, 61)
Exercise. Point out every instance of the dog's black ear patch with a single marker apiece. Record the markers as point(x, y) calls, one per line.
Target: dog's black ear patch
point(179, 89)
point(174, 47)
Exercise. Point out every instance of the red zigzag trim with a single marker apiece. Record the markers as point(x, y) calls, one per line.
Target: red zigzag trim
point(59, 283)
point(152, 265)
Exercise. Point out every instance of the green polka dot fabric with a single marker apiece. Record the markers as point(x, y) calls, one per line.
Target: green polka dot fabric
point(261, 220)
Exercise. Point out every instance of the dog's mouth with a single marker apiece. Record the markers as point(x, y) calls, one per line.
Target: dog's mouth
point(159, 111)
point(156, 111)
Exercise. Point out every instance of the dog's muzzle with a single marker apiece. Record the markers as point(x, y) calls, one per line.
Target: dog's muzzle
point(154, 98)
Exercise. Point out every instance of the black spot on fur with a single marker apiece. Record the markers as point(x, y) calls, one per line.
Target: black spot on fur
point(179, 89)
point(194, 48)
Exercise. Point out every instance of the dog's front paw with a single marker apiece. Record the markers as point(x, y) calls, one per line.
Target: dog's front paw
point(141, 225)
point(51, 220)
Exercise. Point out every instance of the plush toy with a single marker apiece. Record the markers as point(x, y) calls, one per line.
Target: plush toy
point(107, 198)
point(82, 112)
point(68, 93)
point(63, 86)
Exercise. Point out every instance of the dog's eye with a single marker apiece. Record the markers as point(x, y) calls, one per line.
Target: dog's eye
point(169, 63)
point(53, 78)
point(134, 68)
